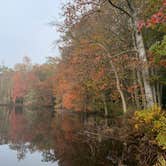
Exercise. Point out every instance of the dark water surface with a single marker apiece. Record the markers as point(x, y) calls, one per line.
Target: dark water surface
point(41, 138)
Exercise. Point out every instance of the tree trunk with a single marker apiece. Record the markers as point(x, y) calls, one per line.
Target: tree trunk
point(124, 105)
point(158, 89)
point(136, 93)
point(119, 87)
point(105, 106)
point(144, 62)
point(154, 93)
point(141, 89)
point(153, 73)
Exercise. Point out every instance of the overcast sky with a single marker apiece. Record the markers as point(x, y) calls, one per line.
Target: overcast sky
point(25, 29)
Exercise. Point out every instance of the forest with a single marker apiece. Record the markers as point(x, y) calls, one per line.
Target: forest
point(111, 54)
point(112, 63)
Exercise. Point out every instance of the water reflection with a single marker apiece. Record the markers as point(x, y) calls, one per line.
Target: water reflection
point(65, 139)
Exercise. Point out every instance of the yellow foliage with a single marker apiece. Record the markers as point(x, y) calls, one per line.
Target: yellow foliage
point(161, 161)
point(152, 121)
point(148, 115)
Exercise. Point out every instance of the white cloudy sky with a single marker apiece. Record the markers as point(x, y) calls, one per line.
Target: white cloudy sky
point(25, 29)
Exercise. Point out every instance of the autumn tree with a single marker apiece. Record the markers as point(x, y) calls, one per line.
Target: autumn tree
point(131, 13)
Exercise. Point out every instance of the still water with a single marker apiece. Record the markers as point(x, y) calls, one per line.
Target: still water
point(43, 138)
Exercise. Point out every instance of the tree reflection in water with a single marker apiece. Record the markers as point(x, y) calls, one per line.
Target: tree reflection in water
point(60, 137)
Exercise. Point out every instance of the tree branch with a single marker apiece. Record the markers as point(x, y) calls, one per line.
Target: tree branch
point(101, 45)
point(125, 52)
point(129, 5)
point(119, 8)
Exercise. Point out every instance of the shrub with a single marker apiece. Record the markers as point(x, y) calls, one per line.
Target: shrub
point(152, 122)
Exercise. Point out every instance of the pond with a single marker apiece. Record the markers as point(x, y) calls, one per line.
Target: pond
point(44, 138)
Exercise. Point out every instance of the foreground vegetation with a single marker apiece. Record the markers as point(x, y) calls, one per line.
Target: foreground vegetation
point(142, 133)
point(147, 132)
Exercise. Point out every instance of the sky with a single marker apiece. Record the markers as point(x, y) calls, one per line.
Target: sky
point(9, 157)
point(25, 30)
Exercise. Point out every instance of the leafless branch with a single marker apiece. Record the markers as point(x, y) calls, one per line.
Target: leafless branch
point(120, 8)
